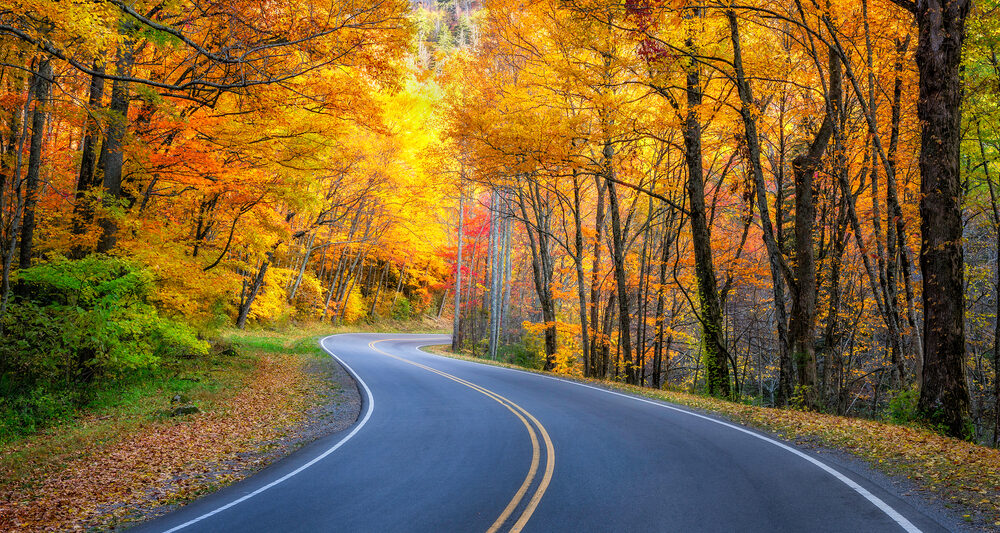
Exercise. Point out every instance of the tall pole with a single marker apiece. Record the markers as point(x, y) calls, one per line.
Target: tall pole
point(456, 341)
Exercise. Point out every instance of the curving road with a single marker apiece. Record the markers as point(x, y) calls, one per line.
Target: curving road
point(445, 445)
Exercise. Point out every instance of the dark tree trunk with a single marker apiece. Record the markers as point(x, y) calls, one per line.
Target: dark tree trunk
point(258, 282)
point(775, 261)
point(302, 268)
point(661, 346)
point(893, 214)
point(609, 316)
point(456, 337)
point(834, 367)
point(378, 291)
point(112, 158)
point(581, 289)
point(595, 284)
point(944, 395)
point(802, 325)
point(996, 288)
point(710, 314)
point(88, 178)
point(42, 82)
point(205, 222)
point(618, 240)
point(541, 264)
point(898, 249)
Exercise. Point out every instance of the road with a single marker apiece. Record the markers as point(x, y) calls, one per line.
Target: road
point(445, 445)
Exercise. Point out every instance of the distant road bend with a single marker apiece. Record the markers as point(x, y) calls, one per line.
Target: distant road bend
point(445, 445)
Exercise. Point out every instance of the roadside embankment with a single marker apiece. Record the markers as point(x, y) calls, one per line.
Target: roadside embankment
point(109, 468)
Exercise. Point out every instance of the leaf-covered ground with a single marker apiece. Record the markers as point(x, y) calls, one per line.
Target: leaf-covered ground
point(107, 470)
point(959, 474)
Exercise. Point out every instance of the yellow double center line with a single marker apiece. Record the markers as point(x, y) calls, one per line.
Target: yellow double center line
point(524, 416)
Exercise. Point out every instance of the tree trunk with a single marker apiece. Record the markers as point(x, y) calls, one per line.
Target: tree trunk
point(775, 260)
point(541, 265)
point(894, 215)
point(710, 314)
point(944, 395)
point(803, 320)
point(618, 240)
point(112, 152)
point(302, 267)
point(581, 290)
point(378, 291)
point(595, 281)
point(456, 337)
point(661, 345)
point(10, 215)
point(258, 282)
point(88, 180)
point(996, 288)
point(42, 82)
point(495, 264)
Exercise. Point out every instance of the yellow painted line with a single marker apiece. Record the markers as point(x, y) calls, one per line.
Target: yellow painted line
point(546, 478)
point(521, 414)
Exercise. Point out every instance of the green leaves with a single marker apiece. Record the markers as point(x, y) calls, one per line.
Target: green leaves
point(75, 323)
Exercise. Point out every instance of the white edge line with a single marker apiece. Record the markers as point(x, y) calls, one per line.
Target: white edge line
point(368, 414)
point(875, 500)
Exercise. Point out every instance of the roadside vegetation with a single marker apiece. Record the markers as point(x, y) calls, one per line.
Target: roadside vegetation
point(85, 336)
point(135, 447)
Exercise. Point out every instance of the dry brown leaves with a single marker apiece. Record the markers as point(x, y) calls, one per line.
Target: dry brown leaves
point(162, 462)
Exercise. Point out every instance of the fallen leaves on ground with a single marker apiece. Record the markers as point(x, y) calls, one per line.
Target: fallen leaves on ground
point(165, 461)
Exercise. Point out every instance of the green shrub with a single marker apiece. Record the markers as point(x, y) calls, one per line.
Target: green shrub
point(903, 408)
point(75, 324)
point(528, 353)
point(402, 309)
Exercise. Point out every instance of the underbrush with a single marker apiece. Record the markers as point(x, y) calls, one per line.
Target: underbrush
point(84, 335)
point(51, 416)
point(129, 444)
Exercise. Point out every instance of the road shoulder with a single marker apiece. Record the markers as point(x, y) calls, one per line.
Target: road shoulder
point(294, 394)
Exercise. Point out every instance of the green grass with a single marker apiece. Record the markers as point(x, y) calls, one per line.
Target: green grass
point(119, 407)
point(116, 411)
point(127, 397)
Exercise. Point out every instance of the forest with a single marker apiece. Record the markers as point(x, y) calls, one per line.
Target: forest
point(785, 203)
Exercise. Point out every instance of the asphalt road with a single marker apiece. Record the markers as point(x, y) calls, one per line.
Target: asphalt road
point(444, 445)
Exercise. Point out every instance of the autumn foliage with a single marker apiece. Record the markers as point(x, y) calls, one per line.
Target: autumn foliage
point(753, 199)
point(728, 197)
point(167, 169)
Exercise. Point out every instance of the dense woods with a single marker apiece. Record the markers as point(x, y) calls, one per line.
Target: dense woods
point(169, 168)
point(784, 202)
point(787, 203)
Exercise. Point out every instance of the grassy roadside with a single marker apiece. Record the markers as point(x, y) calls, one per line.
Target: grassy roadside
point(959, 474)
point(126, 457)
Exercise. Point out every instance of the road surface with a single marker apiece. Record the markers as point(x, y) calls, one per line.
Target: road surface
point(444, 445)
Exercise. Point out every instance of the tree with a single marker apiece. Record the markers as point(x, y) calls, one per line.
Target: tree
point(944, 395)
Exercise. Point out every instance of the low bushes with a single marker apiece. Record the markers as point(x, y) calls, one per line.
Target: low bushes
point(74, 328)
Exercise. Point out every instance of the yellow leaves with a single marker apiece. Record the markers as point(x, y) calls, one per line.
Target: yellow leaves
point(90, 26)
